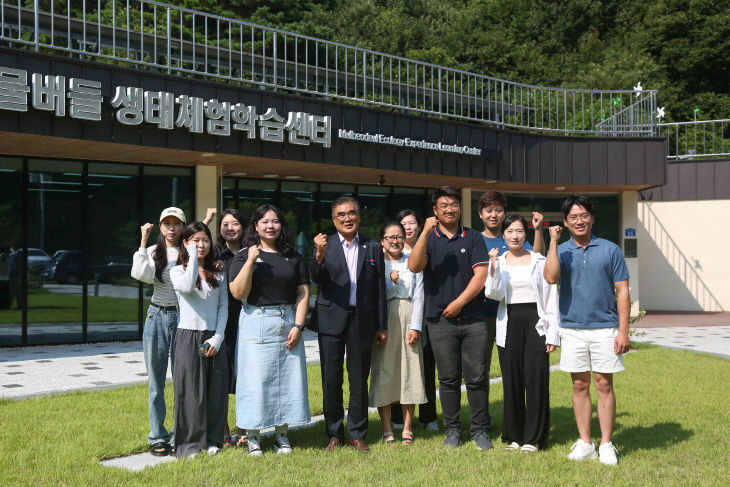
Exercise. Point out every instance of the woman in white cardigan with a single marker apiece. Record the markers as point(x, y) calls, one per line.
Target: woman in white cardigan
point(527, 331)
point(200, 372)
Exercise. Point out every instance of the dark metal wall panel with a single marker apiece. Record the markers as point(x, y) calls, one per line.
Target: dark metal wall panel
point(532, 159)
point(706, 181)
point(563, 161)
point(687, 178)
point(635, 163)
point(722, 179)
point(581, 165)
point(616, 163)
point(655, 160)
point(546, 173)
point(598, 164)
point(507, 155)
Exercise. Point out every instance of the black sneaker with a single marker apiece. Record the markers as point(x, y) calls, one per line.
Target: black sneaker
point(453, 438)
point(482, 441)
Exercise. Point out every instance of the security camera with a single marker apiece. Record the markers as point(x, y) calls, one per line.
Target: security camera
point(381, 180)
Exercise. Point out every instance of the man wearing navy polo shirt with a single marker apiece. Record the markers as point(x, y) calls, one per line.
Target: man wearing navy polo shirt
point(594, 323)
point(492, 207)
point(454, 262)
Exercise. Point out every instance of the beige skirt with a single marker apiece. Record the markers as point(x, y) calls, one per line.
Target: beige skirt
point(397, 370)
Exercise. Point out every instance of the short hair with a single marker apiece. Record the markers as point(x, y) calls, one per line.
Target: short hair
point(511, 219)
point(391, 224)
point(576, 199)
point(340, 200)
point(446, 192)
point(490, 198)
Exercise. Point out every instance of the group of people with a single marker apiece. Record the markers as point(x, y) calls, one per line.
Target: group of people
point(392, 310)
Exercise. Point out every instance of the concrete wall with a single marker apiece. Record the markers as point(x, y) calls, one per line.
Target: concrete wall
point(206, 193)
point(683, 263)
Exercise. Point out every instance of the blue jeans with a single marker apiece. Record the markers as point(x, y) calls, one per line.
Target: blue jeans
point(158, 338)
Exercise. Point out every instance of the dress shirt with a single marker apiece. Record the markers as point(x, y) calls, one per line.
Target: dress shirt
point(350, 251)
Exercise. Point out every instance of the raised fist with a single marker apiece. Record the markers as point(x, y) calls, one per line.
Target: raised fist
point(146, 230)
point(555, 232)
point(430, 224)
point(493, 255)
point(253, 253)
point(537, 219)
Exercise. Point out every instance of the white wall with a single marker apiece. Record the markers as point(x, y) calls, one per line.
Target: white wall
point(683, 262)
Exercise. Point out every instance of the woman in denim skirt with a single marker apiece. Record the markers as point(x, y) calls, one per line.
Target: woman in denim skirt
point(272, 281)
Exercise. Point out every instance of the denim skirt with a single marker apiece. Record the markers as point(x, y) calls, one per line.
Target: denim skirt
point(271, 383)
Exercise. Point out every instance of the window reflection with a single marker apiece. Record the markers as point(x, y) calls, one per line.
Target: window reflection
point(112, 237)
point(55, 228)
point(11, 259)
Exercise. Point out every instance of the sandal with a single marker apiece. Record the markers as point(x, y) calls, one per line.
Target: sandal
point(389, 434)
point(527, 448)
point(406, 438)
point(160, 449)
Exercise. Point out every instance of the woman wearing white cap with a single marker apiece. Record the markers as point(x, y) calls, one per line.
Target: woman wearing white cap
point(152, 266)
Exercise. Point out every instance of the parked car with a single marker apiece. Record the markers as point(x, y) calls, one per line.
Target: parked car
point(38, 259)
point(67, 268)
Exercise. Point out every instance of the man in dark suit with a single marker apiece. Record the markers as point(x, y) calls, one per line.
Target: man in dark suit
point(349, 314)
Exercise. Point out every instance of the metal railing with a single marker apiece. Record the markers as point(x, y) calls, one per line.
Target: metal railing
point(701, 139)
point(638, 118)
point(153, 35)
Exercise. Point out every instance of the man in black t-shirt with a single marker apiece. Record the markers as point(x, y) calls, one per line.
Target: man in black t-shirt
point(454, 262)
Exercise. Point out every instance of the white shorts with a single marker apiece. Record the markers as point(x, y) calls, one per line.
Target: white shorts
point(583, 350)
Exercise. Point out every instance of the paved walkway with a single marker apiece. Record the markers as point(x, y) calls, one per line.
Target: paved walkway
point(38, 371)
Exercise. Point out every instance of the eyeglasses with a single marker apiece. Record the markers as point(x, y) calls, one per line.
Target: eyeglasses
point(583, 216)
point(393, 238)
point(341, 215)
point(453, 206)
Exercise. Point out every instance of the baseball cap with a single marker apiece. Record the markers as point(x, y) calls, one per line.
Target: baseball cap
point(172, 211)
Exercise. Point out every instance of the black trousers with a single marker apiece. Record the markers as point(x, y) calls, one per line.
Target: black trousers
point(332, 349)
point(201, 393)
point(427, 411)
point(459, 349)
point(525, 378)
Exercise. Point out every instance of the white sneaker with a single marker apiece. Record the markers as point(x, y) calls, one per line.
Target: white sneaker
point(582, 451)
point(254, 446)
point(512, 446)
point(432, 426)
point(282, 445)
point(213, 450)
point(607, 454)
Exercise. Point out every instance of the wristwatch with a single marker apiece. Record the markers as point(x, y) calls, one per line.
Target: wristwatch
point(300, 327)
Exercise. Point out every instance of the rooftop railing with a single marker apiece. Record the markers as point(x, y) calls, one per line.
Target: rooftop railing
point(151, 35)
point(700, 139)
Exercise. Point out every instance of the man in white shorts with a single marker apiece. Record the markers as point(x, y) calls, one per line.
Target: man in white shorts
point(594, 323)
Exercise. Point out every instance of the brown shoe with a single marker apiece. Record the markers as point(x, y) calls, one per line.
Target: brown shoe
point(334, 443)
point(360, 445)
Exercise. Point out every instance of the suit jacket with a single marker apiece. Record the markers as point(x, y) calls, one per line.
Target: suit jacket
point(330, 310)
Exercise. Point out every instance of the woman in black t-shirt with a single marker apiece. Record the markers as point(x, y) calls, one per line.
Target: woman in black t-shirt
point(271, 279)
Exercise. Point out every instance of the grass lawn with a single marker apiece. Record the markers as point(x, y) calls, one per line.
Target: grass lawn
point(672, 428)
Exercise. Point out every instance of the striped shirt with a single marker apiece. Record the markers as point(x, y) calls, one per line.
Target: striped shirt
point(143, 269)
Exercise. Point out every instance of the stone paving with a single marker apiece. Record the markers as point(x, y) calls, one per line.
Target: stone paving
point(37, 371)
point(706, 339)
